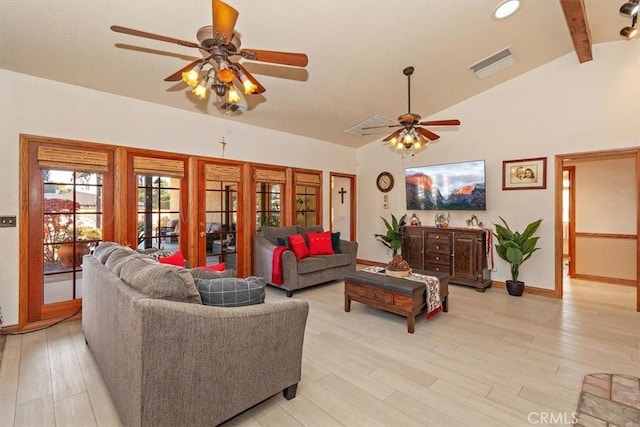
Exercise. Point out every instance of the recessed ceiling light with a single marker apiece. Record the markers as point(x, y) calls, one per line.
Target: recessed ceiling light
point(506, 9)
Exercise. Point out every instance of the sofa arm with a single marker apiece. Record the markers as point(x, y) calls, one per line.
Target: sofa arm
point(263, 263)
point(351, 248)
point(217, 361)
point(263, 257)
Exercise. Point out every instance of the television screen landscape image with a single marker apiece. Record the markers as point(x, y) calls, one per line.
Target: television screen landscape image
point(451, 186)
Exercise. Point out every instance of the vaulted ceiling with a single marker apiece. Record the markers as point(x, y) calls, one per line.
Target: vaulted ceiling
point(357, 50)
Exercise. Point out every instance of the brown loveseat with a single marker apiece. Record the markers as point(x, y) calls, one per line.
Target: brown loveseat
point(306, 272)
point(177, 363)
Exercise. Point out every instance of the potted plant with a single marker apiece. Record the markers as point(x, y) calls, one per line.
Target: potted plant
point(516, 248)
point(393, 238)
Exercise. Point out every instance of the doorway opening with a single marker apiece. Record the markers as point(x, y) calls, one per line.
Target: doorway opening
point(597, 220)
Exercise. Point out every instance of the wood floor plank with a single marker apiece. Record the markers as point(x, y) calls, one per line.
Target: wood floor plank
point(307, 413)
point(104, 410)
point(37, 412)
point(10, 367)
point(74, 411)
point(66, 375)
point(34, 378)
point(370, 404)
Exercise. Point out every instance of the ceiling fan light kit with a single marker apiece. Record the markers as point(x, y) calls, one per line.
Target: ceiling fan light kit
point(412, 137)
point(217, 72)
point(631, 9)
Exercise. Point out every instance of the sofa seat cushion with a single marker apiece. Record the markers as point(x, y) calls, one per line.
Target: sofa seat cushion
point(232, 292)
point(337, 260)
point(160, 281)
point(312, 264)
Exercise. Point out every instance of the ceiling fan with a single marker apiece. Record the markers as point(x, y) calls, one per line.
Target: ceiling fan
point(412, 135)
point(217, 71)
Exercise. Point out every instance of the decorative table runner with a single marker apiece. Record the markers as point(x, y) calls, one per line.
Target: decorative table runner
point(434, 304)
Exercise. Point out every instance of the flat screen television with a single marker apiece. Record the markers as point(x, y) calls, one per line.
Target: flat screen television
point(451, 186)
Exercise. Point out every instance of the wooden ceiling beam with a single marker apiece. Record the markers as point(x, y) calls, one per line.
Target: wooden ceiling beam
point(576, 16)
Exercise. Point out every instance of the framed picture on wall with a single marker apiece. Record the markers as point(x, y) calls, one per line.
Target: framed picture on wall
point(524, 174)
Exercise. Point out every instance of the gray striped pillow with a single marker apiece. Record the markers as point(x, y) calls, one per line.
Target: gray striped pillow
point(231, 291)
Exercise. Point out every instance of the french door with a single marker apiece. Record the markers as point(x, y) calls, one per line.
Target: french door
point(67, 209)
point(220, 212)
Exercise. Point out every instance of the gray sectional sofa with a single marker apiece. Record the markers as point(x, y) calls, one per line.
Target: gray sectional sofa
point(168, 360)
point(302, 273)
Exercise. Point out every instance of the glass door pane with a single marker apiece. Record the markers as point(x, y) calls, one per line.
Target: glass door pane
point(72, 227)
point(158, 212)
point(267, 205)
point(221, 219)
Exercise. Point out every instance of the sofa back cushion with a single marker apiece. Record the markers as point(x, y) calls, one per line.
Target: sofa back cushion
point(203, 273)
point(160, 281)
point(310, 229)
point(232, 292)
point(117, 257)
point(103, 251)
point(271, 233)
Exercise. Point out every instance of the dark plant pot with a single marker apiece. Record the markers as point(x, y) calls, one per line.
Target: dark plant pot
point(515, 288)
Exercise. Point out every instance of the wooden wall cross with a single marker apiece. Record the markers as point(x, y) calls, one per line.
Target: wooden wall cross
point(342, 192)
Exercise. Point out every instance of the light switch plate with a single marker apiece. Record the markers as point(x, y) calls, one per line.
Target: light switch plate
point(7, 221)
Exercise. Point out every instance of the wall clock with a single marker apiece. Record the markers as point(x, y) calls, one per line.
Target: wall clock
point(384, 181)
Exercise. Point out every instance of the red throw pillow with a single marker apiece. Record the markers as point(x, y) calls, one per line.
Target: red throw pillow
point(218, 267)
point(173, 259)
point(320, 243)
point(298, 246)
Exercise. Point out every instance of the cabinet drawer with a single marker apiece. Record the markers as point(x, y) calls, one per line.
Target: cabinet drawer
point(439, 246)
point(442, 258)
point(438, 235)
point(370, 293)
point(438, 268)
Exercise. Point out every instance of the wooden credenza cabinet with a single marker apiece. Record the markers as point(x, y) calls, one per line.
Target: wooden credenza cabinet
point(459, 252)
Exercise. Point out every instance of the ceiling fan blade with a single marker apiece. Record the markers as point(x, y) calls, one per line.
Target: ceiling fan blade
point(393, 135)
point(177, 76)
point(224, 19)
point(252, 79)
point(284, 58)
point(453, 122)
point(132, 32)
point(427, 134)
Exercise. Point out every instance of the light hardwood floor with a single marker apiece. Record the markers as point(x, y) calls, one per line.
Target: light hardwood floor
point(493, 360)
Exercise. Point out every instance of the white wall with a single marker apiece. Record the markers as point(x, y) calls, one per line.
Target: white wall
point(562, 107)
point(43, 107)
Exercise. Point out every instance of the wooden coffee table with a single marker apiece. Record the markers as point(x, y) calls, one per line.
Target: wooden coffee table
point(400, 296)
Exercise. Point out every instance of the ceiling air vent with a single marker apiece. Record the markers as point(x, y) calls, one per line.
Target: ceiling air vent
point(494, 63)
point(375, 120)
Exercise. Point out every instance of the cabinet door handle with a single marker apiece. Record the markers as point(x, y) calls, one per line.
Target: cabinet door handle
point(437, 258)
point(437, 247)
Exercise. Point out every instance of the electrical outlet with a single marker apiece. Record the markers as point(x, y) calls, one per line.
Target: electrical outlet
point(7, 221)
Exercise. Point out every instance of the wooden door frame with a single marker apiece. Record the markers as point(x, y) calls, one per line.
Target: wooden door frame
point(352, 201)
point(559, 166)
point(31, 317)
